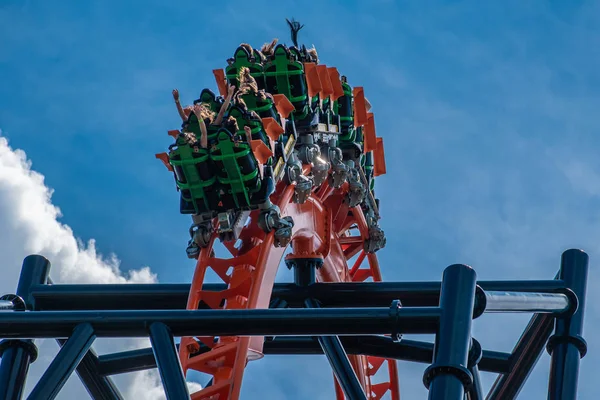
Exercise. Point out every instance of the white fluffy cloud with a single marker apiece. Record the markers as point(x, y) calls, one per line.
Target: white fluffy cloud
point(29, 224)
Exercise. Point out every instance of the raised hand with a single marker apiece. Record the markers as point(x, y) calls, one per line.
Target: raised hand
point(230, 91)
point(180, 109)
point(248, 132)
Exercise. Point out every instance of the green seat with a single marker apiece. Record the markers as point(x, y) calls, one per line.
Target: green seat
point(343, 107)
point(242, 58)
point(193, 126)
point(207, 96)
point(284, 74)
point(264, 108)
point(194, 177)
point(243, 118)
point(236, 171)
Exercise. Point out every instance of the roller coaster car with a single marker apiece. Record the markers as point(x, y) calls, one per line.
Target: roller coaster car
point(237, 172)
point(343, 107)
point(298, 112)
point(193, 175)
point(284, 74)
point(208, 97)
point(192, 126)
point(265, 108)
point(243, 58)
point(226, 176)
point(244, 118)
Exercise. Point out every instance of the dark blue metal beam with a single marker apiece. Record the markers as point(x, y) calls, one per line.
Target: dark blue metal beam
point(340, 364)
point(63, 365)
point(305, 275)
point(270, 322)
point(18, 354)
point(567, 346)
point(476, 391)
point(381, 346)
point(16, 357)
point(377, 346)
point(126, 361)
point(99, 387)
point(448, 377)
point(169, 367)
point(524, 357)
point(174, 296)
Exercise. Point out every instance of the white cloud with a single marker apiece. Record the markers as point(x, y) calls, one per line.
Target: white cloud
point(29, 224)
point(146, 385)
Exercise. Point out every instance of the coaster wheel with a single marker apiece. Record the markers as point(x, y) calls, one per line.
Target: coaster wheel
point(321, 227)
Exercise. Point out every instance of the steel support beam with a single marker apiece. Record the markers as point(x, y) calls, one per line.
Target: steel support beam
point(524, 357)
point(304, 276)
point(476, 391)
point(18, 354)
point(163, 296)
point(158, 311)
point(377, 346)
point(448, 377)
point(98, 387)
point(126, 361)
point(340, 364)
point(567, 346)
point(525, 354)
point(169, 367)
point(63, 365)
point(270, 322)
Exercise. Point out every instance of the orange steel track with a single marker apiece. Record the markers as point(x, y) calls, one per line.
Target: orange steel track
point(321, 229)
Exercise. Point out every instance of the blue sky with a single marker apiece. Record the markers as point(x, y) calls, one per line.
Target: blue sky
point(486, 109)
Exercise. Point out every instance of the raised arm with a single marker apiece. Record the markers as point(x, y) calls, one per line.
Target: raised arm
point(248, 131)
point(180, 110)
point(203, 130)
point(225, 105)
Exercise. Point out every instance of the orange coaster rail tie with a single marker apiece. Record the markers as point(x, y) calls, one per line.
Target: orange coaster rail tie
point(261, 151)
point(272, 127)
point(164, 157)
point(312, 79)
point(326, 85)
point(360, 106)
point(336, 83)
point(283, 105)
point(379, 167)
point(370, 135)
point(221, 81)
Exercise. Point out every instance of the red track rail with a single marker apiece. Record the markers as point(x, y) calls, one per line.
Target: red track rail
point(320, 229)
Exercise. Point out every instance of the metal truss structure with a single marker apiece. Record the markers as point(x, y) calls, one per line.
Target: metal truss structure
point(306, 317)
